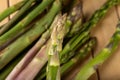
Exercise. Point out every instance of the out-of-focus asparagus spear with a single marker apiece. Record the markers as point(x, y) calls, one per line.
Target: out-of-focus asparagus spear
point(72, 44)
point(105, 53)
point(100, 13)
point(27, 5)
point(66, 57)
point(11, 10)
point(15, 37)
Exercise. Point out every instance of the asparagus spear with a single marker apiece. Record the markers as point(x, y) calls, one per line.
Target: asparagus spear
point(55, 46)
point(100, 13)
point(18, 15)
point(65, 57)
point(30, 36)
point(5, 37)
point(32, 52)
point(105, 53)
point(88, 25)
point(11, 10)
point(72, 44)
point(15, 37)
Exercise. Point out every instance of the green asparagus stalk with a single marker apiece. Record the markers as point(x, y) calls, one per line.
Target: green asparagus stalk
point(39, 9)
point(82, 53)
point(72, 44)
point(11, 10)
point(15, 37)
point(88, 69)
point(100, 13)
point(55, 46)
point(32, 52)
point(69, 55)
point(30, 36)
point(17, 16)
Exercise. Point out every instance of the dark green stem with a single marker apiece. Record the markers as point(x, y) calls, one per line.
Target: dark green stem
point(11, 10)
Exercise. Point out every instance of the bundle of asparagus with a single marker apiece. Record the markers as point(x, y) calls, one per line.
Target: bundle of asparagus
point(52, 43)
